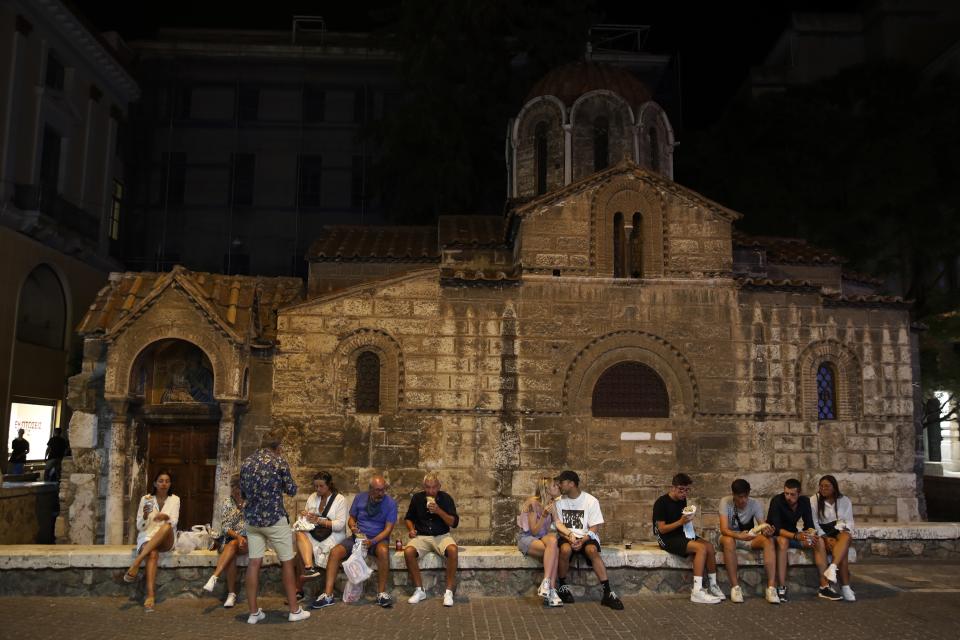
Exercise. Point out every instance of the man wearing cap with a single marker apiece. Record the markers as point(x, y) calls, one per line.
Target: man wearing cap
point(578, 524)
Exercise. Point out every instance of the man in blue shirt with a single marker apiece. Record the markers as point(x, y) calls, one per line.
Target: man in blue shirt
point(372, 517)
point(264, 478)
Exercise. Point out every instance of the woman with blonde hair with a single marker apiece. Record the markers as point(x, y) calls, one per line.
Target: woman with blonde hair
point(536, 520)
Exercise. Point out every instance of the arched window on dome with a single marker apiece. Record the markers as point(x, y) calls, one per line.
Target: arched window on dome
point(636, 247)
point(619, 247)
point(601, 143)
point(368, 382)
point(654, 146)
point(630, 390)
point(540, 156)
point(826, 391)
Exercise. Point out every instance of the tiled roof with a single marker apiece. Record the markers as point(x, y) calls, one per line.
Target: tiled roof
point(472, 231)
point(355, 243)
point(781, 285)
point(786, 250)
point(830, 298)
point(571, 81)
point(864, 278)
point(245, 307)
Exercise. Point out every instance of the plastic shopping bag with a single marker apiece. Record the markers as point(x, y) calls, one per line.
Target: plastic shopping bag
point(353, 591)
point(355, 567)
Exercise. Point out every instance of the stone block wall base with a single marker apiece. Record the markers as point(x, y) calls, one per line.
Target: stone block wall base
point(938, 549)
point(187, 582)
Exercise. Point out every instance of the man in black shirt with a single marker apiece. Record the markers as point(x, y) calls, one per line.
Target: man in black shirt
point(56, 448)
point(675, 534)
point(19, 449)
point(785, 510)
point(431, 515)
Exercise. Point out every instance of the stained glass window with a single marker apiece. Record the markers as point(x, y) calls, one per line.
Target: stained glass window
point(630, 390)
point(368, 383)
point(826, 392)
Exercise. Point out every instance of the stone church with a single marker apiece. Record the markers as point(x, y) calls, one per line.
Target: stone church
point(611, 321)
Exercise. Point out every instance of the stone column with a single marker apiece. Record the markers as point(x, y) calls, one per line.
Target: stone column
point(225, 457)
point(567, 154)
point(116, 476)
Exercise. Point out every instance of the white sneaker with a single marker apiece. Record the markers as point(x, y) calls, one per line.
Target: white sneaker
point(419, 595)
point(830, 573)
point(716, 592)
point(544, 589)
point(701, 596)
point(254, 618)
point(848, 593)
point(448, 598)
point(771, 595)
point(211, 584)
point(297, 616)
point(736, 594)
point(553, 599)
point(230, 601)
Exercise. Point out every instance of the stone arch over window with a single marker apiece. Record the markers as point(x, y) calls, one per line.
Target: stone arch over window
point(544, 115)
point(646, 244)
point(659, 356)
point(844, 367)
point(587, 116)
point(355, 358)
point(656, 139)
point(42, 309)
point(630, 390)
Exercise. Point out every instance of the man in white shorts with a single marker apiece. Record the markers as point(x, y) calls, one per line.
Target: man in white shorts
point(431, 515)
point(740, 518)
point(264, 478)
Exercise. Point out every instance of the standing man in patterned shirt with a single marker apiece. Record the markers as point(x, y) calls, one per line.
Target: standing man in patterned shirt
point(264, 478)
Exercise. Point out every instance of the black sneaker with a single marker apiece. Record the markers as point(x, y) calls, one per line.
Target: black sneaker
point(565, 594)
point(323, 600)
point(310, 573)
point(782, 594)
point(828, 594)
point(301, 597)
point(384, 600)
point(611, 600)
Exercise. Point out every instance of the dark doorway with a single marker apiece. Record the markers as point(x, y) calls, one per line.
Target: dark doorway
point(190, 453)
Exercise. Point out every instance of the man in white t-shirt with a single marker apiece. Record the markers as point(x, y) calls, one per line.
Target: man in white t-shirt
point(578, 524)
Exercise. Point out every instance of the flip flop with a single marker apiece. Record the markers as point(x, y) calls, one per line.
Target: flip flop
point(148, 604)
point(129, 578)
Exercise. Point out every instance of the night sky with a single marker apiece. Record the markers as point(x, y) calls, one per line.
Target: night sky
point(717, 42)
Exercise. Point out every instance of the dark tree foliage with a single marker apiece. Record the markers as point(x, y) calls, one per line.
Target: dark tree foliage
point(466, 67)
point(863, 163)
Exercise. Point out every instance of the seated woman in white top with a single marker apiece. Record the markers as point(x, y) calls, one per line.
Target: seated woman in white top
point(833, 519)
point(326, 509)
point(157, 517)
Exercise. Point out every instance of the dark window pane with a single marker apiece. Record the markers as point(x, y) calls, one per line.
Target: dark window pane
point(540, 157)
point(368, 383)
point(601, 144)
point(654, 149)
point(50, 160)
point(241, 178)
point(826, 393)
point(314, 104)
point(310, 180)
point(173, 177)
point(55, 75)
point(249, 102)
point(619, 254)
point(636, 247)
point(357, 182)
point(630, 390)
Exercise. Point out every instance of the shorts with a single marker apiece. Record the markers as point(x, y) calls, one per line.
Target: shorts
point(426, 544)
point(738, 543)
point(279, 536)
point(677, 545)
point(524, 542)
point(583, 550)
point(348, 542)
point(796, 544)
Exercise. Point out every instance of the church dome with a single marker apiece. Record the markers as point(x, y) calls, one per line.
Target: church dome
point(571, 81)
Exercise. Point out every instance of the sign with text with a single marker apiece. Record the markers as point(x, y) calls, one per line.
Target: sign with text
point(36, 420)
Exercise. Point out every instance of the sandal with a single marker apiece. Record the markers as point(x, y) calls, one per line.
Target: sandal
point(148, 603)
point(123, 577)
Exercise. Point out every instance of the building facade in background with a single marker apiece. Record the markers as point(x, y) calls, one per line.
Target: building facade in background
point(63, 104)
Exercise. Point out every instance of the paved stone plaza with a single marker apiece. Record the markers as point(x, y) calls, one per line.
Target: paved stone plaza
point(897, 600)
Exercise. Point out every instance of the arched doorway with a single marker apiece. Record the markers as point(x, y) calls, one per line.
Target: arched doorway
point(179, 422)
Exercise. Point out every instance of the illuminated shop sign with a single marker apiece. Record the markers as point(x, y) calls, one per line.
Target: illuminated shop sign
point(36, 420)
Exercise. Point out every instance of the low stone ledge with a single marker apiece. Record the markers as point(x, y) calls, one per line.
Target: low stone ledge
point(914, 531)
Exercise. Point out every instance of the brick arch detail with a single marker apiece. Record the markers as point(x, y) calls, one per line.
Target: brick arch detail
point(551, 111)
point(391, 368)
point(637, 346)
point(624, 195)
point(849, 387)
